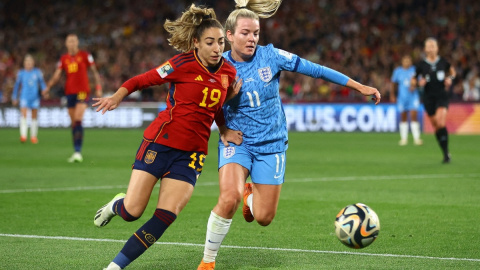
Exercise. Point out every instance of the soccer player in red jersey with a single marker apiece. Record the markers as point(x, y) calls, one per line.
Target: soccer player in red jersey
point(76, 63)
point(175, 144)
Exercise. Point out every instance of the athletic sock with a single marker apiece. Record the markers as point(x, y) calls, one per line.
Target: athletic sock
point(119, 209)
point(250, 203)
point(77, 134)
point(415, 127)
point(217, 229)
point(403, 127)
point(442, 138)
point(23, 127)
point(144, 237)
point(34, 128)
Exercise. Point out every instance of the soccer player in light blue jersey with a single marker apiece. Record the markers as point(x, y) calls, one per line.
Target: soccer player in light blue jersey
point(258, 114)
point(408, 100)
point(28, 84)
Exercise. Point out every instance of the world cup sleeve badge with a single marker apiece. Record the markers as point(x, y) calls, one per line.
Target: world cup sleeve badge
point(165, 69)
point(150, 156)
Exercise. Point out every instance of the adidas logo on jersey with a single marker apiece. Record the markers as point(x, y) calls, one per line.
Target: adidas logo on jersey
point(199, 78)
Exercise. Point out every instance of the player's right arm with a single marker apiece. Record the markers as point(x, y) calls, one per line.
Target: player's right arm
point(52, 82)
point(15, 89)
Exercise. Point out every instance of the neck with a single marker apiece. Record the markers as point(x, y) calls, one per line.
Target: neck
point(432, 58)
point(73, 51)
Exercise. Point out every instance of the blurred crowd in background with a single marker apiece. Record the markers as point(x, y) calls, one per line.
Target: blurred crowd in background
point(365, 39)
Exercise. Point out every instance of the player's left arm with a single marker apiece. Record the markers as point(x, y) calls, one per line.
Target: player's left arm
point(98, 83)
point(318, 71)
point(450, 78)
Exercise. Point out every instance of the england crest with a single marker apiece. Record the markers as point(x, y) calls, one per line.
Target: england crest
point(265, 74)
point(228, 152)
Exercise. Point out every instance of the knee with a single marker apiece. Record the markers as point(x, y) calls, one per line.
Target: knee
point(265, 220)
point(229, 202)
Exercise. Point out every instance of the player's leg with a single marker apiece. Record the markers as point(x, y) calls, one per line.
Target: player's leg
point(233, 163)
point(415, 127)
point(76, 105)
point(403, 125)
point(268, 173)
point(174, 195)
point(413, 106)
point(23, 123)
point(441, 133)
point(34, 122)
point(265, 202)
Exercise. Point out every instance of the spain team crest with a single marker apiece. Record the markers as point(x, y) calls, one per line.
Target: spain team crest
point(150, 156)
point(265, 74)
point(225, 81)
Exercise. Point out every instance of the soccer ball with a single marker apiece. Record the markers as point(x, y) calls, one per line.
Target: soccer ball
point(357, 225)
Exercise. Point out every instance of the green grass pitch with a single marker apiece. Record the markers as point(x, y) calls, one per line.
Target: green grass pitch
point(429, 212)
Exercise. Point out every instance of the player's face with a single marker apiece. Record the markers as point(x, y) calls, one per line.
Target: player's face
point(72, 43)
point(245, 39)
point(406, 62)
point(210, 46)
point(28, 63)
point(431, 48)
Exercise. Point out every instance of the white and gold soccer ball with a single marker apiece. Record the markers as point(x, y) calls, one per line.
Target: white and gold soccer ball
point(357, 225)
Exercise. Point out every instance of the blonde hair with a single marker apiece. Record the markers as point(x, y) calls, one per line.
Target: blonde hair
point(191, 25)
point(251, 9)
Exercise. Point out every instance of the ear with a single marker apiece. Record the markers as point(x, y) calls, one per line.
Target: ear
point(229, 36)
point(196, 43)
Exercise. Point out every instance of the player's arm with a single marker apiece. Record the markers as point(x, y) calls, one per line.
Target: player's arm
point(138, 82)
point(450, 78)
point(98, 83)
point(15, 90)
point(52, 82)
point(393, 91)
point(318, 71)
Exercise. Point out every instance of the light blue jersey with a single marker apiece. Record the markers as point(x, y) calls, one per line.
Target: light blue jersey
point(31, 82)
point(406, 99)
point(257, 110)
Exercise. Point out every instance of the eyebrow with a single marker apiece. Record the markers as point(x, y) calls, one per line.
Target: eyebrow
point(214, 38)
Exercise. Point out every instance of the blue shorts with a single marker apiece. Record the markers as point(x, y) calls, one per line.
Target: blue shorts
point(268, 169)
point(72, 100)
point(408, 102)
point(30, 103)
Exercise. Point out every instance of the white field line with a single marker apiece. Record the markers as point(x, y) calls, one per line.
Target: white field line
point(288, 180)
point(243, 247)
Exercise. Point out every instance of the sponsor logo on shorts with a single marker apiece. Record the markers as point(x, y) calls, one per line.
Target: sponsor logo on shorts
point(228, 152)
point(150, 156)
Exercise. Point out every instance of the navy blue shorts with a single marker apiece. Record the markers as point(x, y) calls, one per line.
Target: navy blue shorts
point(72, 100)
point(166, 162)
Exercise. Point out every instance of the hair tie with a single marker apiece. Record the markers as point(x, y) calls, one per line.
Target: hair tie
point(207, 17)
point(245, 7)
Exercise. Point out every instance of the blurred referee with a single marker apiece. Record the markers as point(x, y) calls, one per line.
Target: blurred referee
point(435, 75)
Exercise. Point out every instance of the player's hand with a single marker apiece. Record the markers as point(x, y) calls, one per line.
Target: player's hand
point(105, 104)
point(230, 135)
point(421, 82)
point(234, 88)
point(369, 91)
point(448, 82)
point(14, 102)
point(46, 93)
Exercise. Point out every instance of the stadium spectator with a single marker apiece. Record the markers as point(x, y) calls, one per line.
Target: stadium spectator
point(362, 36)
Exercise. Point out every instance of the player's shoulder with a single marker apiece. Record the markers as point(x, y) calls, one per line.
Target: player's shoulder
point(227, 65)
point(181, 59)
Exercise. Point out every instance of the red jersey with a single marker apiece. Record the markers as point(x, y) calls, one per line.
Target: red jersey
point(76, 67)
point(194, 100)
